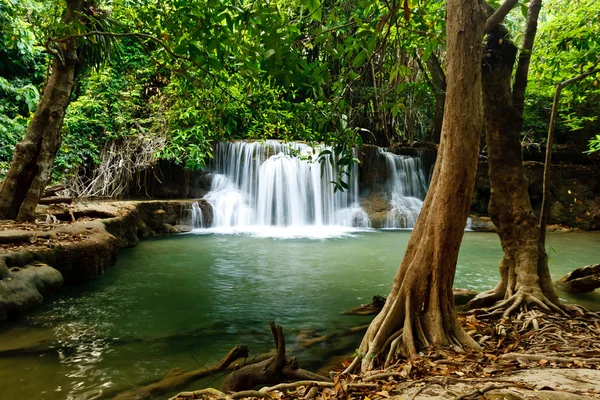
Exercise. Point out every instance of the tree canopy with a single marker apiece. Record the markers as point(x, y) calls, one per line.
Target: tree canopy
point(185, 74)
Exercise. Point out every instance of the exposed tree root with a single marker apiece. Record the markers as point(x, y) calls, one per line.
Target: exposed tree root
point(383, 375)
point(522, 301)
point(276, 369)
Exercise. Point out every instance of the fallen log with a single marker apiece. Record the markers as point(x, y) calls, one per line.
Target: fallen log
point(582, 280)
point(276, 369)
point(177, 379)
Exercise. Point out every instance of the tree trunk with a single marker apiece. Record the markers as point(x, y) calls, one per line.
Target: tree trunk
point(438, 79)
point(524, 275)
point(420, 308)
point(31, 167)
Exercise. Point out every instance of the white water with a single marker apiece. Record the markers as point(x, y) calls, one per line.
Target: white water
point(197, 218)
point(276, 189)
point(406, 187)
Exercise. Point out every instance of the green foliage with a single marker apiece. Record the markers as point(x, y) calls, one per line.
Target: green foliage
point(109, 104)
point(21, 71)
point(337, 72)
point(567, 44)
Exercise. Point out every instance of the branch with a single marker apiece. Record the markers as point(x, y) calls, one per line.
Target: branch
point(161, 43)
point(498, 16)
point(522, 71)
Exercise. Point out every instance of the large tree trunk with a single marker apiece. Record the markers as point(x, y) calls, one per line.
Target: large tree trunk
point(420, 308)
point(31, 167)
point(524, 274)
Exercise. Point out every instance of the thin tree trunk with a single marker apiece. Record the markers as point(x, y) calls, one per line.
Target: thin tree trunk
point(549, 142)
point(420, 308)
point(31, 167)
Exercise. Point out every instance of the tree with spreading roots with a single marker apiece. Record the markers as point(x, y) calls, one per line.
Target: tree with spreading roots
point(524, 275)
point(420, 311)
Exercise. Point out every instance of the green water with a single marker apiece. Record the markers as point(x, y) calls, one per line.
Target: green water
point(184, 301)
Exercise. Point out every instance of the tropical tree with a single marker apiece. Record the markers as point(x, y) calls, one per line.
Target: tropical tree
point(31, 166)
point(419, 311)
point(524, 275)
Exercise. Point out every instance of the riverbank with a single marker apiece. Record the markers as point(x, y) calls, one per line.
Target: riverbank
point(530, 356)
point(76, 243)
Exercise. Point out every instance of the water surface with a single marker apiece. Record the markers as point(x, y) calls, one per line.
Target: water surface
point(184, 301)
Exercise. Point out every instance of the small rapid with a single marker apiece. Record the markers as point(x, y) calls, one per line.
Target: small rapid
point(406, 187)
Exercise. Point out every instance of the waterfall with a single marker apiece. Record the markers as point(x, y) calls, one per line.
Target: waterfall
point(407, 187)
point(273, 184)
point(197, 218)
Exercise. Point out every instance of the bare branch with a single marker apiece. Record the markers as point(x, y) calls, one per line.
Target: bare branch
point(498, 16)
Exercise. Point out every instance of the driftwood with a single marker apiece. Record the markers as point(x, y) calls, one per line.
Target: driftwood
point(276, 369)
point(582, 280)
point(368, 309)
point(177, 379)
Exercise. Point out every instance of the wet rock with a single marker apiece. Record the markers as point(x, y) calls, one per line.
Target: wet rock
point(481, 223)
point(181, 228)
point(25, 287)
point(377, 207)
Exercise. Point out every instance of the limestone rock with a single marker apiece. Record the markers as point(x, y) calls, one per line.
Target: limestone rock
point(26, 286)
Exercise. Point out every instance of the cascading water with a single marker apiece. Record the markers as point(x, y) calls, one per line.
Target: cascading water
point(197, 217)
point(280, 185)
point(406, 187)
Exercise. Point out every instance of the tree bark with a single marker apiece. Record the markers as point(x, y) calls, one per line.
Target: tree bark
point(438, 80)
point(31, 166)
point(524, 275)
point(420, 310)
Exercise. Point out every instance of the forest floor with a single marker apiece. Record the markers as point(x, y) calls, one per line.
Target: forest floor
point(531, 356)
point(58, 227)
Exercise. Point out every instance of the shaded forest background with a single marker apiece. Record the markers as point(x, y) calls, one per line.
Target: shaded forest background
point(338, 72)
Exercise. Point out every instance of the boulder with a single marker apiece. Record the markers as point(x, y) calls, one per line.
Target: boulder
point(26, 286)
